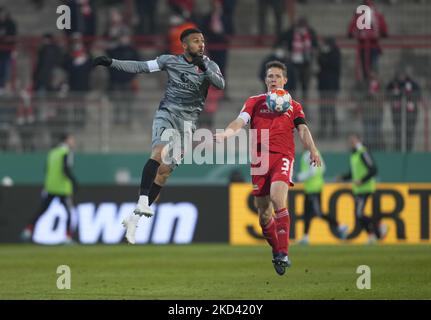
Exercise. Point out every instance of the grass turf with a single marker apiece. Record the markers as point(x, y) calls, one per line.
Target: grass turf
point(208, 271)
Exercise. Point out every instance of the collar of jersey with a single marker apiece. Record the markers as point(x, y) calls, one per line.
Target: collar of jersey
point(184, 57)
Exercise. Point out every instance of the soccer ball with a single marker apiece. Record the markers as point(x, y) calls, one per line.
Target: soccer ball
point(278, 100)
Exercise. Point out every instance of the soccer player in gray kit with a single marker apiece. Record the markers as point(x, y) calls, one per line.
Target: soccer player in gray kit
point(189, 77)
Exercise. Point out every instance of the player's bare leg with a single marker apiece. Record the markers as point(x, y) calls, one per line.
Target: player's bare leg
point(278, 195)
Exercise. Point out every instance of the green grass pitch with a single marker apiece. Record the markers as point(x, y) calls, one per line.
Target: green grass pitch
point(208, 271)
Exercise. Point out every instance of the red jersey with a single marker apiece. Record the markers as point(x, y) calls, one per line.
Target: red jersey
point(281, 125)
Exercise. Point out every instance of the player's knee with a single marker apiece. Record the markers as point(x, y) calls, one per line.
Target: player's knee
point(262, 208)
point(265, 217)
point(278, 201)
point(156, 153)
point(265, 214)
point(156, 157)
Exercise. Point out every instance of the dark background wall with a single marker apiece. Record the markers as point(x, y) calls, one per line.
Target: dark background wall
point(18, 204)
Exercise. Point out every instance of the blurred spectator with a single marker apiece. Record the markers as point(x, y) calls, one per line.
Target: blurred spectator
point(363, 174)
point(49, 57)
point(291, 10)
point(7, 120)
point(278, 8)
point(147, 12)
point(183, 8)
point(301, 42)
point(8, 31)
point(329, 84)
point(60, 109)
point(228, 16)
point(78, 67)
point(59, 182)
point(25, 112)
point(26, 126)
point(121, 83)
point(177, 25)
point(371, 107)
point(214, 29)
point(206, 119)
point(83, 16)
point(369, 48)
point(404, 95)
point(116, 28)
point(279, 54)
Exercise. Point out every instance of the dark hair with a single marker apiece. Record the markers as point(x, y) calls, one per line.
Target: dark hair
point(276, 64)
point(64, 136)
point(188, 32)
point(355, 134)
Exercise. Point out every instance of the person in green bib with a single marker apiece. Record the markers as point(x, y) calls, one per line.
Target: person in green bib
point(313, 179)
point(59, 182)
point(363, 172)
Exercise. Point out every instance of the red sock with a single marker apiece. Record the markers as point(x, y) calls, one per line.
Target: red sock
point(270, 234)
point(282, 222)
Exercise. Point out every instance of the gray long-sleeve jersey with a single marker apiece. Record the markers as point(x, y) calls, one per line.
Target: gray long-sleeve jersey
point(187, 86)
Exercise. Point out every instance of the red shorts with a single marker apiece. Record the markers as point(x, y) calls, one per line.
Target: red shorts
point(280, 169)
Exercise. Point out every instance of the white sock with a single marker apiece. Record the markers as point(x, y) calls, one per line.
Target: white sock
point(305, 237)
point(143, 200)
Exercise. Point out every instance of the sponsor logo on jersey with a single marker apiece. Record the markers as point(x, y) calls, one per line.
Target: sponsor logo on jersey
point(265, 109)
point(187, 83)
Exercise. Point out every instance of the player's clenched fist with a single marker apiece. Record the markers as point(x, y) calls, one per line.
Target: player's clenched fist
point(102, 61)
point(199, 62)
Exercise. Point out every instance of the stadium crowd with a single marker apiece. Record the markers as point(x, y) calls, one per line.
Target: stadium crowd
point(63, 65)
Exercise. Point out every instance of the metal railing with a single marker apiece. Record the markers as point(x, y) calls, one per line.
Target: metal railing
point(122, 122)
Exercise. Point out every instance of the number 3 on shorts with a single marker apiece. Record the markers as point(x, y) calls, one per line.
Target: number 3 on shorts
point(286, 165)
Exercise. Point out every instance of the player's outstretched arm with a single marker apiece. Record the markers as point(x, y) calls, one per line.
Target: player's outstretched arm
point(127, 65)
point(231, 130)
point(135, 66)
point(308, 142)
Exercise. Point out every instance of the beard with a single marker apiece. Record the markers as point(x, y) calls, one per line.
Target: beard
point(195, 54)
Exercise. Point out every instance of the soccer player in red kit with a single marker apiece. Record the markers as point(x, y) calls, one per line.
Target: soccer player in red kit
point(270, 187)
